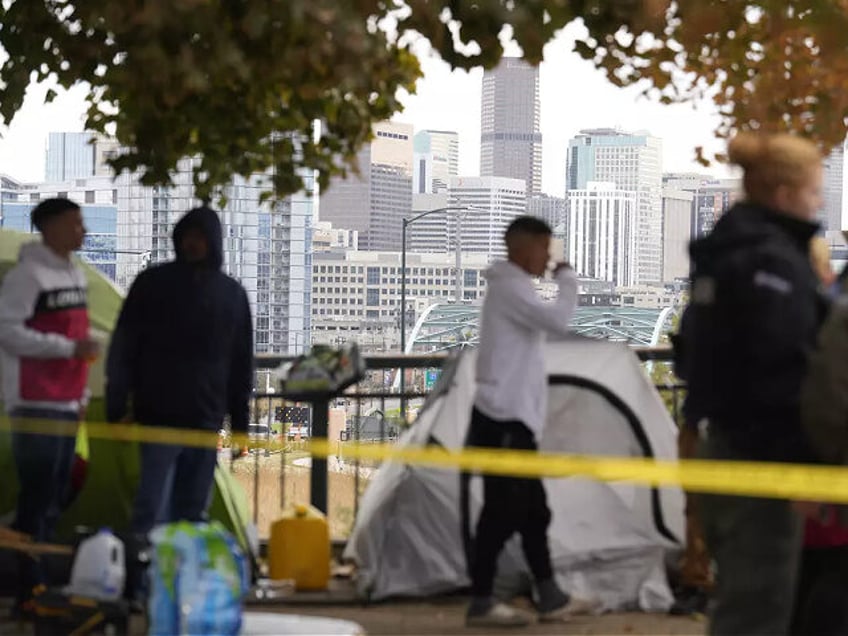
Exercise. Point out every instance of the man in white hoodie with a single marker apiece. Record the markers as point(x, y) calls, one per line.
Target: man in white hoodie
point(509, 412)
point(44, 350)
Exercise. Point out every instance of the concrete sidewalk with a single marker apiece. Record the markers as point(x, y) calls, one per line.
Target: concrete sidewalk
point(447, 617)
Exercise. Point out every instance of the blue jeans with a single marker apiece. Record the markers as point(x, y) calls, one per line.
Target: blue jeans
point(44, 465)
point(175, 485)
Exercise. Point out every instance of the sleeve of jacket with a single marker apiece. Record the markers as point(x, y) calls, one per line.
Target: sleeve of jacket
point(525, 307)
point(18, 296)
point(241, 375)
point(123, 351)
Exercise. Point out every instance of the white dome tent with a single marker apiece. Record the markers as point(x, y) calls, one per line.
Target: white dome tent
point(608, 540)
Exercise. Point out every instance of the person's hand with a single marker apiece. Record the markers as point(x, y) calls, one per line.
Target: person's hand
point(807, 509)
point(562, 265)
point(87, 349)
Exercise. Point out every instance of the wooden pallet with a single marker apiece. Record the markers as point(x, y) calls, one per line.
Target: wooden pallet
point(20, 542)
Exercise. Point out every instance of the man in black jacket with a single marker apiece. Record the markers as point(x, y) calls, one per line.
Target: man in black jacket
point(181, 356)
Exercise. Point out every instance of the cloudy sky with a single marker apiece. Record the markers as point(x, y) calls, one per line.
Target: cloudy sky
point(573, 95)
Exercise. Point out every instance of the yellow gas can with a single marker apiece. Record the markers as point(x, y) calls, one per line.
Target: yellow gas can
point(299, 548)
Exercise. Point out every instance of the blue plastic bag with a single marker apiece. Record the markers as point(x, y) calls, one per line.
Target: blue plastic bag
point(199, 577)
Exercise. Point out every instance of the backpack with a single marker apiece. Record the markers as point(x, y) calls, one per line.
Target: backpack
point(824, 393)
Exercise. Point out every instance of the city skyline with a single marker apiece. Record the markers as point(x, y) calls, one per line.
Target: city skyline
point(449, 100)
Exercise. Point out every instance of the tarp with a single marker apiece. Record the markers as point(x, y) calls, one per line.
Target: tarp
point(608, 540)
point(113, 468)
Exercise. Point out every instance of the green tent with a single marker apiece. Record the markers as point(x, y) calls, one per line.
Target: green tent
point(113, 468)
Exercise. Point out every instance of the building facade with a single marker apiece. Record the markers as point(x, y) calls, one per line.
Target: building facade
point(548, 208)
point(834, 175)
point(358, 293)
point(677, 233)
point(436, 160)
point(430, 233)
point(97, 198)
point(77, 155)
point(374, 202)
point(633, 162)
point(601, 233)
point(492, 203)
point(267, 247)
point(711, 198)
point(510, 118)
point(326, 237)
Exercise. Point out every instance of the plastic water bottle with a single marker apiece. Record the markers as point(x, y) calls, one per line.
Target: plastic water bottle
point(99, 569)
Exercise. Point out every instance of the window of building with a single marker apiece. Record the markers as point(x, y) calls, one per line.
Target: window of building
point(373, 297)
point(89, 196)
point(373, 275)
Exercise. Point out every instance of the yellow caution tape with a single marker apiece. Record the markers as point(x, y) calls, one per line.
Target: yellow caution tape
point(754, 479)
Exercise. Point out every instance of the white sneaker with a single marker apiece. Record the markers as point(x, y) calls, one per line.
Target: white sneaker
point(574, 607)
point(500, 615)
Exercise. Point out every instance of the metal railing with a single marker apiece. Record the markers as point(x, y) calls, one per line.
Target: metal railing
point(368, 412)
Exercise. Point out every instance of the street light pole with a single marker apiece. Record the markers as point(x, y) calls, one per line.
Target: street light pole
point(405, 223)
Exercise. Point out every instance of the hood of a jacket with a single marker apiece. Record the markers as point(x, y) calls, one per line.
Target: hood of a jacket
point(38, 252)
point(206, 220)
point(748, 224)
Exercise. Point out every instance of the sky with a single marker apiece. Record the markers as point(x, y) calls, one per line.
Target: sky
point(574, 95)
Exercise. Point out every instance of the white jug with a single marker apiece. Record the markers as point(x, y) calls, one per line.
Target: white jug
point(99, 570)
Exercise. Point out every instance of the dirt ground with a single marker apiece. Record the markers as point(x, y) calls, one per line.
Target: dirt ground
point(340, 496)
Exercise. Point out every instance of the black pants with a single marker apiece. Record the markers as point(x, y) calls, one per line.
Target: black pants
point(44, 472)
point(821, 608)
point(756, 544)
point(510, 505)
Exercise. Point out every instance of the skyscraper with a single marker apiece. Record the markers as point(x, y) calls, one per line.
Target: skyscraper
point(632, 161)
point(601, 232)
point(375, 202)
point(436, 160)
point(492, 202)
point(510, 135)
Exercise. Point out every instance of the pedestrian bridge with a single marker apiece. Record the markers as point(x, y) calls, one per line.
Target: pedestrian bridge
point(447, 326)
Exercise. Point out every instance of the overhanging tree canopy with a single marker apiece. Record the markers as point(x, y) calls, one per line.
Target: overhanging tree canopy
point(239, 83)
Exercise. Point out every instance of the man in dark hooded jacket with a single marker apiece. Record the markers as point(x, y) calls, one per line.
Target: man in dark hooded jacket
point(181, 356)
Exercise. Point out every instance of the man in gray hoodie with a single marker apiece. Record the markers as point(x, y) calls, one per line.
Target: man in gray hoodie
point(509, 412)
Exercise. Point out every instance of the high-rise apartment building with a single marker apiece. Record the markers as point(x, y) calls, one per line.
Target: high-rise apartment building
point(633, 162)
point(492, 203)
point(77, 155)
point(510, 133)
point(601, 232)
point(436, 160)
point(267, 247)
point(375, 202)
